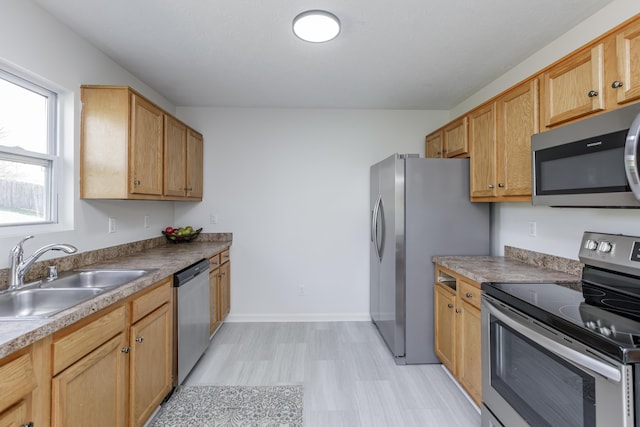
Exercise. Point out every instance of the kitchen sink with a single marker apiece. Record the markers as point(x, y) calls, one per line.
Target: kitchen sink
point(37, 303)
point(94, 278)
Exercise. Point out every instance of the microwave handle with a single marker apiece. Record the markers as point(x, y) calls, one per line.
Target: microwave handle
point(631, 157)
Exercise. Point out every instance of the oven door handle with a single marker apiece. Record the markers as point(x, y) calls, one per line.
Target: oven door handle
point(631, 157)
point(566, 353)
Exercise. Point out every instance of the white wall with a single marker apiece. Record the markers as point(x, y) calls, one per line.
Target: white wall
point(31, 41)
point(293, 187)
point(559, 231)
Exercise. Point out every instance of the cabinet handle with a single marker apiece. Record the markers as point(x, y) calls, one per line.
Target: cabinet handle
point(188, 189)
point(616, 84)
point(126, 350)
point(468, 294)
point(136, 182)
point(458, 310)
point(490, 185)
point(223, 274)
point(592, 93)
point(501, 184)
point(450, 305)
point(139, 339)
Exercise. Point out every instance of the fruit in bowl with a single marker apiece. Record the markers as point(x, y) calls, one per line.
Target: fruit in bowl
point(181, 234)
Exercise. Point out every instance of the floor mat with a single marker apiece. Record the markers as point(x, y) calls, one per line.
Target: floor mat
point(231, 406)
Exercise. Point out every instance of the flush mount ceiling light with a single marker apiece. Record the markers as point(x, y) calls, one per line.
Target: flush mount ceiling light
point(316, 26)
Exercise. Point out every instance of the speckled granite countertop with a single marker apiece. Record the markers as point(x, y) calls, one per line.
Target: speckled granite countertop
point(166, 259)
point(502, 269)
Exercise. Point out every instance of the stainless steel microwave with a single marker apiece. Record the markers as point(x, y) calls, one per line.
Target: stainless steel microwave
point(590, 163)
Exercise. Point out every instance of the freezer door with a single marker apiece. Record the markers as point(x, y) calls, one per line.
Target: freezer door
point(387, 252)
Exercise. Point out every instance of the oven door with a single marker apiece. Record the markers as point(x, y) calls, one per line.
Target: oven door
point(534, 375)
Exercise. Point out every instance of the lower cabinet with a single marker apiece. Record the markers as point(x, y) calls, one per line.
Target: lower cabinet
point(457, 329)
point(114, 368)
point(219, 289)
point(91, 390)
point(24, 390)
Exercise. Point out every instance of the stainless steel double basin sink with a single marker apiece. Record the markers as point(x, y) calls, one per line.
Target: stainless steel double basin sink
point(49, 297)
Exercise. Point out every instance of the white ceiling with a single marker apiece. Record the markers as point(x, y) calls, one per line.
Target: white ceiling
point(400, 54)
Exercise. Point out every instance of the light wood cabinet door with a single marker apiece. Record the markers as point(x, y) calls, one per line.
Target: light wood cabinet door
point(433, 145)
point(151, 341)
point(482, 136)
point(627, 83)
point(92, 390)
point(195, 147)
point(145, 149)
point(469, 350)
point(455, 140)
point(574, 87)
point(517, 120)
point(445, 326)
point(19, 404)
point(214, 300)
point(225, 290)
point(175, 157)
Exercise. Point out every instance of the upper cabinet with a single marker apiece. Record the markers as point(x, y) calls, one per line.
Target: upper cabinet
point(433, 144)
point(574, 87)
point(182, 160)
point(626, 82)
point(455, 140)
point(132, 149)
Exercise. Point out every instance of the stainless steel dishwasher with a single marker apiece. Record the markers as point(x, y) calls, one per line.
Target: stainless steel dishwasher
point(191, 325)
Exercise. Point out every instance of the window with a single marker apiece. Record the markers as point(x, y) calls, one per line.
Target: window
point(28, 152)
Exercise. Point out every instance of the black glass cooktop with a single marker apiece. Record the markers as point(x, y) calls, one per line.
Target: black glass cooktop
point(605, 319)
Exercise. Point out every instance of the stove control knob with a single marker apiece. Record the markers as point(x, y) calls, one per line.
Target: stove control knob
point(591, 245)
point(605, 247)
point(607, 332)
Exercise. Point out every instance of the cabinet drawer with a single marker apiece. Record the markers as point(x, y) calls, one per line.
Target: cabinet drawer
point(470, 293)
point(18, 380)
point(153, 299)
point(72, 347)
point(224, 256)
point(215, 261)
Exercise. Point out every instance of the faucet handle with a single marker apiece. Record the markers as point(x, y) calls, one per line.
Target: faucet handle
point(17, 249)
point(53, 272)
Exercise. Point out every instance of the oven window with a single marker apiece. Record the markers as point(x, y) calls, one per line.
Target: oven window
point(543, 388)
point(589, 166)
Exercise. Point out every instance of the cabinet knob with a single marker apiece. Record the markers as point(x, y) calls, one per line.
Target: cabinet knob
point(29, 424)
point(458, 310)
point(490, 185)
point(139, 339)
point(188, 189)
point(592, 93)
point(501, 184)
point(450, 305)
point(439, 152)
point(136, 182)
point(616, 84)
point(468, 294)
point(126, 350)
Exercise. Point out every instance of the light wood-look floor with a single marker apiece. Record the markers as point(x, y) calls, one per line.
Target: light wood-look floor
point(348, 374)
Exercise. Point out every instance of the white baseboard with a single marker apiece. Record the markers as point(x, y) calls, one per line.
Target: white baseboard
point(311, 317)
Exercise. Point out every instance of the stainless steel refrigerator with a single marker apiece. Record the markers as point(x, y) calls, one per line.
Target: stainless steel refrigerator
point(419, 208)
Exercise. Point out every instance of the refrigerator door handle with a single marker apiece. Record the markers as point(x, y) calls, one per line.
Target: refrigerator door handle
point(374, 225)
point(380, 220)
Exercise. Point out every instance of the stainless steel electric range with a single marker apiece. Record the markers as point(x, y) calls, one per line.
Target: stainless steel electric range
point(556, 356)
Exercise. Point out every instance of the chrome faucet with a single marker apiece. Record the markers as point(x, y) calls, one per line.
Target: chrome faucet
point(20, 266)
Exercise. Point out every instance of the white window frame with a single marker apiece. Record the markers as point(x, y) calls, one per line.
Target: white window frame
point(52, 157)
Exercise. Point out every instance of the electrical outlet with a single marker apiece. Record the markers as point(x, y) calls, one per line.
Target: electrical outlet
point(147, 222)
point(532, 229)
point(112, 225)
point(301, 290)
point(213, 219)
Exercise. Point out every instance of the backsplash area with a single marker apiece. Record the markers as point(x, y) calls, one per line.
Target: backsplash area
point(547, 261)
point(79, 260)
